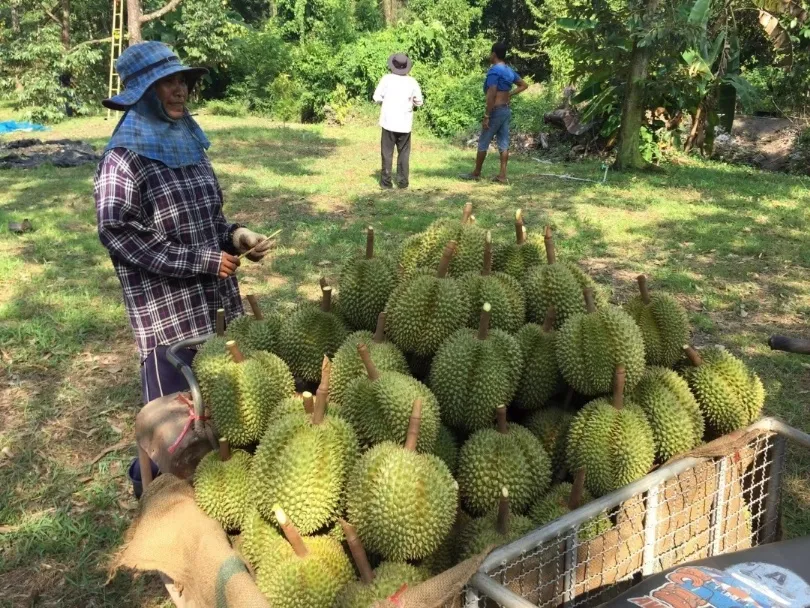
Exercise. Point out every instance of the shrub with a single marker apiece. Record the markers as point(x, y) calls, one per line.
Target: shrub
point(227, 107)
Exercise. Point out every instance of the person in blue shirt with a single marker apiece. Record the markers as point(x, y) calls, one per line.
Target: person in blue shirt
point(498, 88)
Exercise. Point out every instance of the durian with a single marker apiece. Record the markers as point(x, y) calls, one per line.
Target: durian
point(493, 530)
point(590, 346)
point(730, 395)
point(309, 334)
point(564, 498)
point(550, 426)
point(674, 416)
point(663, 323)
point(472, 374)
point(259, 332)
point(507, 456)
point(365, 286)
point(613, 442)
point(516, 258)
point(540, 377)
point(257, 537)
point(222, 485)
point(447, 448)
point(402, 503)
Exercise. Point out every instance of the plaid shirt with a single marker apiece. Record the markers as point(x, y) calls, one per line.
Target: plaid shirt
point(165, 230)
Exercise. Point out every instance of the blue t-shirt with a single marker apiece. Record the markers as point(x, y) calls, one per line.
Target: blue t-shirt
point(501, 76)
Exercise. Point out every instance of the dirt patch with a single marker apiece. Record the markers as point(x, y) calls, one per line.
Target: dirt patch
point(31, 153)
point(763, 142)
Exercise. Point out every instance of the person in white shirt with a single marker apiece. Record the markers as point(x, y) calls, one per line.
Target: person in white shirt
point(399, 94)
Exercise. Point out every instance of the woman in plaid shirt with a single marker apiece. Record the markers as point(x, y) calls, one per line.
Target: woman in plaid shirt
point(159, 210)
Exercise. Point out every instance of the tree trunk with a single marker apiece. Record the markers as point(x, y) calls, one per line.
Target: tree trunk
point(134, 15)
point(65, 25)
point(697, 138)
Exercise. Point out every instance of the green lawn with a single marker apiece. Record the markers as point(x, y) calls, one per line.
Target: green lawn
point(730, 242)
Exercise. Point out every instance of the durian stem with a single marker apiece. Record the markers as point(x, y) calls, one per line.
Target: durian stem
point(224, 450)
point(220, 322)
point(291, 533)
point(551, 253)
point(322, 392)
point(358, 552)
point(379, 333)
point(414, 423)
point(447, 257)
point(642, 287)
point(520, 235)
point(319, 409)
point(309, 402)
point(502, 523)
point(590, 305)
point(487, 270)
point(254, 306)
point(619, 379)
point(551, 317)
point(369, 242)
point(577, 491)
point(365, 356)
point(467, 213)
point(236, 354)
point(500, 413)
point(323, 282)
point(693, 355)
point(326, 301)
point(483, 324)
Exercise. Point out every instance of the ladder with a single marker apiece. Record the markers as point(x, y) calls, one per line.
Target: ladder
point(116, 43)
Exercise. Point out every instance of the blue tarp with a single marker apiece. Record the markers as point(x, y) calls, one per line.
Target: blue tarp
point(9, 126)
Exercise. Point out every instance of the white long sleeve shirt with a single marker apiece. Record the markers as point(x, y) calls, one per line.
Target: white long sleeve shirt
point(398, 96)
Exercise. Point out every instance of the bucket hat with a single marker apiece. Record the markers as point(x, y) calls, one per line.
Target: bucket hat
point(140, 66)
point(400, 64)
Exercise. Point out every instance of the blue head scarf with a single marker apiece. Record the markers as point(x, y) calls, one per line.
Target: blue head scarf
point(146, 129)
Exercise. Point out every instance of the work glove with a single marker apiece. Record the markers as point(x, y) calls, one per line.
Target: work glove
point(245, 240)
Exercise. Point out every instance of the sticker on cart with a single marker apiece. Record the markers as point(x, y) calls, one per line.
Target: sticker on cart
point(748, 585)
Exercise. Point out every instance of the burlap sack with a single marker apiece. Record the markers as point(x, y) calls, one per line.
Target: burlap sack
point(173, 536)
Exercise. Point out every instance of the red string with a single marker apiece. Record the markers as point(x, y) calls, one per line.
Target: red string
point(192, 417)
point(396, 599)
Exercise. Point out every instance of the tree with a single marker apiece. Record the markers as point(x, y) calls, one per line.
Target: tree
point(136, 19)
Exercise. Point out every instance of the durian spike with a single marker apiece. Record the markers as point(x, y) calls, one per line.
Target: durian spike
point(693, 355)
point(326, 300)
point(500, 414)
point(551, 317)
point(551, 253)
point(575, 499)
point(447, 257)
point(590, 305)
point(413, 425)
point(619, 378)
point(379, 332)
point(220, 322)
point(358, 552)
point(467, 213)
point(309, 402)
point(254, 306)
point(483, 324)
point(224, 450)
point(322, 392)
point(642, 287)
point(365, 356)
point(236, 354)
point(502, 523)
point(369, 242)
point(520, 233)
point(487, 270)
point(290, 532)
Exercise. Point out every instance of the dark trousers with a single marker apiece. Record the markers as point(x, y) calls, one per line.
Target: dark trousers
point(402, 141)
point(159, 377)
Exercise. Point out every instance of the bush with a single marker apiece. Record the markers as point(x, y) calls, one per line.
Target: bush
point(452, 104)
point(227, 107)
point(528, 109)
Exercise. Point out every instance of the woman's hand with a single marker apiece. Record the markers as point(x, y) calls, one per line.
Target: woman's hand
point(485, 123)
point(244, 240)
point(227, 265)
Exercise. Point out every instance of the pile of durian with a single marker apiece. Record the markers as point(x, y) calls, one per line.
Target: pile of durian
point(487, 389)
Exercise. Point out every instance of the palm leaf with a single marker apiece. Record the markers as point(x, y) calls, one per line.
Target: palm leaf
point(699, 15)
point(780, 39)
point(783, 7)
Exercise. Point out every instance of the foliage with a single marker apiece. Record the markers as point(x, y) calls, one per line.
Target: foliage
point(227, 107)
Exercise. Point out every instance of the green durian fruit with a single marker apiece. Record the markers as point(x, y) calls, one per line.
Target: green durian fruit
point(507, 456)
point(302, 464)
point(540, 377)
point(550, 426)
point(347, 365)
point(472, 374)
point(674, 415)
point(238, 328)
point(663, 323)
point(211, 358)
point(260, 332)
point(241, 390)
point(447, 555)
point(303, 572)
point(613, 442)
point(257, 537)
point(379, 406)
point(730, 395)
point(499, 528)
point(222, 486)
point(425, 310)
point(446, 448)
point(310, 333)
point(402, 503)
point(590, 346)
point(516, 258)
point(365, 286)
point(557, 503)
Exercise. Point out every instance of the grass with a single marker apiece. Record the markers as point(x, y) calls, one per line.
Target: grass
point(728, 241)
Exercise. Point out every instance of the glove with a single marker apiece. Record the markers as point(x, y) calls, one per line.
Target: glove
point(245, 240)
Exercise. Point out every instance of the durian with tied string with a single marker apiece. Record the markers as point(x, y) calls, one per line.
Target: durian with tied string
point(516, 258)
point(310, 333)
point(366, 284)
point(303, 462)
point(564, 498)
point(475, 372)
point(493, 530)
point(508, 455)
point(663, 323)
point(301, 571)
point(540, 377)
point(612, 441)
point(502, 291)
point(222, 485)
point(402, 503)
point(591, 345)
point(347, 365)
point(730, 395)
point(550, 425)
